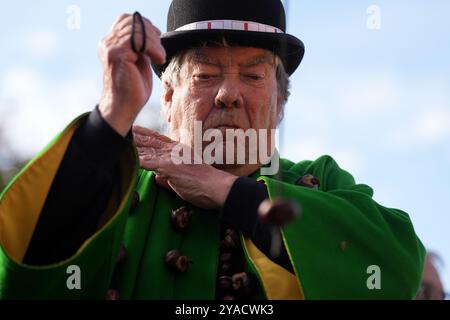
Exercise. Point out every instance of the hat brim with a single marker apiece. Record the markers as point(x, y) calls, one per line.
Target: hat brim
point(289, 48)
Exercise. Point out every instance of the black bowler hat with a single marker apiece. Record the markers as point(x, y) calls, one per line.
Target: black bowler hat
point(252, 23)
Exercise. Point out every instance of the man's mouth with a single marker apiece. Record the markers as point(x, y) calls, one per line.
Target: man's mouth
point(223, 127)
point(226, 126)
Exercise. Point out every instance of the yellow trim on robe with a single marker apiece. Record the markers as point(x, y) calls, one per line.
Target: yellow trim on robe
point(22, 202)
point(279, 284)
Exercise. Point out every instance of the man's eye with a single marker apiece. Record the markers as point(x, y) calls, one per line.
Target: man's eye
point(254, 77)
point(204, 76)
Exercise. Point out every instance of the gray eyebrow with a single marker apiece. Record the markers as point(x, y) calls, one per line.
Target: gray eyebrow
point(199, 57)
point(261, 59)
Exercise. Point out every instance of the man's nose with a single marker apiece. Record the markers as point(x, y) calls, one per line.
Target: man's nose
point(229, 94)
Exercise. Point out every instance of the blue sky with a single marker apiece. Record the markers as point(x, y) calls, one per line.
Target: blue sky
point(378, 101)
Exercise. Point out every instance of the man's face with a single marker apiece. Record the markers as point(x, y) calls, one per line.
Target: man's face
point(224, 88)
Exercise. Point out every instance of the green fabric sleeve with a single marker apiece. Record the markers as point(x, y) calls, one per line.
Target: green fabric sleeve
point(341, 232)
point(22, 201)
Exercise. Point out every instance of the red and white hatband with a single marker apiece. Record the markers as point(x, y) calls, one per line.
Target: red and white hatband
point(230, 25)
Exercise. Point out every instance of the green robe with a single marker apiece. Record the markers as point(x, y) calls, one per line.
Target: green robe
point(332, 245)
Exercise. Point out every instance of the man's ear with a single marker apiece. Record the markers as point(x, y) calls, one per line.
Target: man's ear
point(166, 101)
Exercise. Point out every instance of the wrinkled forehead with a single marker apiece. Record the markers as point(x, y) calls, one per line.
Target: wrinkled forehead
point(229, 56)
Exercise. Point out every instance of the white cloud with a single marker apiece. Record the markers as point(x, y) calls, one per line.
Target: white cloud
point(303, 149)
point(41, 42)
point(429, 127)
point(447, 155)
point(35, 109)
point(433, 125)
point(349, 160)
point(367, 97)
point(310, 148)
point(20, 83)
point(391, 112)
point(362, 96)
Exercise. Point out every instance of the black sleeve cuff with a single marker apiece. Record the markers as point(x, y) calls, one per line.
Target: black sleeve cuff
point(241, 206)
point(99, 142)
point(241, 211)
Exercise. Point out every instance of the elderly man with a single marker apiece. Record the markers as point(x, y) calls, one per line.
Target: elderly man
point(82, 220)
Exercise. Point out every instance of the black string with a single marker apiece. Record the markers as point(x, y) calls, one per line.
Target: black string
point(144, 35)
point(133, 46)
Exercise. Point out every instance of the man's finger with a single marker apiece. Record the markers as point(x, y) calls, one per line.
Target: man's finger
point(150, 25)
point(162, 182)
point(149, 132)
point(147, 141)
point(156, 53)
point(153, 37)
point(127, 31)
point(122, 21)
point(141, 151)
point(144, 131)
point(154, 48)
point(127, 23)
point(150, 162)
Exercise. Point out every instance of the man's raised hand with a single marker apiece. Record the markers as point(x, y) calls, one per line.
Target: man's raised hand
point(127, 75)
